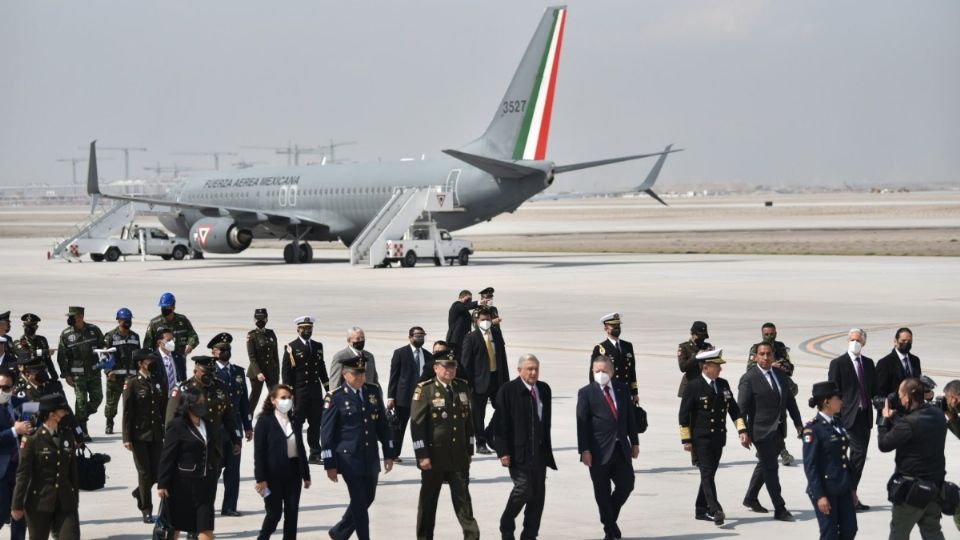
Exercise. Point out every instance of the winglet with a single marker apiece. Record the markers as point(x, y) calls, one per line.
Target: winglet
point(651, 179)
point(93, 180)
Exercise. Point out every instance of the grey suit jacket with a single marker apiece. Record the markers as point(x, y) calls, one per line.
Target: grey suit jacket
point(336, 366)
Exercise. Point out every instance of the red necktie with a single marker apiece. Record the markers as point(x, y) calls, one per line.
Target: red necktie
point(606, 394)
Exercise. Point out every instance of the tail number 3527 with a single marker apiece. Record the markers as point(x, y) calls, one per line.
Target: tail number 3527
point(515, 106)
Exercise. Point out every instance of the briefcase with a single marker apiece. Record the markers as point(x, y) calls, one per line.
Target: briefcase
point(162, 527)
point(395, 427)
point(92, 468)
point(641, 419)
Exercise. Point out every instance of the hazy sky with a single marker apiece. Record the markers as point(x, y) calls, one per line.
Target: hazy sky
point(764, 92)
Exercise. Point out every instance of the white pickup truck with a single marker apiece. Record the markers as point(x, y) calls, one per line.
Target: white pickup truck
point(156, 242)
point(423, 240)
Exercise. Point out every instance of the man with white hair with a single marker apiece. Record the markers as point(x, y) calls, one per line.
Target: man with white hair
point(856, 377)
point(356, 343)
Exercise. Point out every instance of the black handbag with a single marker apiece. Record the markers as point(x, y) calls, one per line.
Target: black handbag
point(922, 493)
point(162, 527)
point(641, 419)
point(92, 469)
point(950, 498)
point(395, 427)
point(897, 489)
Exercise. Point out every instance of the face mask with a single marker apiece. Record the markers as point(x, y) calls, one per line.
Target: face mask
point(261, 324)
point(854, 347)
point(206, 380)
point(5, 397)
point(305, 334)
point(166, 311)
point(417, 342)
point(200, 409)
point(601, 377)
point(484, 325)
point(124, 324)
point(615, 331)
point(225, 356)
point(360, 345)
point(71, 320)
point(169, 346)
point(904, 348)
point(30, 330)
point(284, 405)
point(770, 339)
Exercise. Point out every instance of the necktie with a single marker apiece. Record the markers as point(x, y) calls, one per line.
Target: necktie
point(713, 386)
point(449, 396)
point(171, 374)
point(490, 352)
point(864, 401)
point(9, 418)
point(417, 359)
point(606, 394)
point(536, 401)
point(906, 368)
point(773, 382)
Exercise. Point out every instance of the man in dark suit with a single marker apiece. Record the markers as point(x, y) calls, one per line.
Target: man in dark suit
point(900, 364)
point(304, 370)
point(621, 351)
point(856, 377)
point(484, 361)
point(607, 440)
point(459, 320)
point(410, 365)
point(765, 399)
point(169, 367)
point(523, 444)
point(10, 431)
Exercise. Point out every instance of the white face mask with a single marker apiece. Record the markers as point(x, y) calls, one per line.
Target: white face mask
point(169, 346)
point(602, 378)
point(485, 325)
point(284, 405)
point(854, 347)
point(5, 397)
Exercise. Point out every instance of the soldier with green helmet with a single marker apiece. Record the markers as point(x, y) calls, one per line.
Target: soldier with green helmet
point(264, 357)
point(38, 345)
point(184, 335)
point(143, 428)
point(77, 360)
point(126, 342)
point(442, 430)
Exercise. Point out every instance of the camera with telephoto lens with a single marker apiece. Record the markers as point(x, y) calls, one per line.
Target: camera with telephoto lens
point(940, 402)
point(893, 400)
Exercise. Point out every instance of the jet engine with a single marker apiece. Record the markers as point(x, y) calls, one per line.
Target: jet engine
point(219, 235)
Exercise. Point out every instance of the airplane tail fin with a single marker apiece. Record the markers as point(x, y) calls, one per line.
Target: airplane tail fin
point(520, 127)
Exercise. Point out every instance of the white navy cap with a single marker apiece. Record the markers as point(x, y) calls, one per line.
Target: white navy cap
point(611, 318)
point(306, 320)
point(713, 355)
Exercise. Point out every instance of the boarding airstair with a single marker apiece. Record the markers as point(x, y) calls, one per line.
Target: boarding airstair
point(405, 207)
point(106, 221)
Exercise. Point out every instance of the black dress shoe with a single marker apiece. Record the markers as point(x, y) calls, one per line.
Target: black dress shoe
point(860, 507)
point(718, 518)
point(482, 449)
point(147, 518)
point(703, 516)
point(755, 506)
point(783, 515)
point(230, 513)
point(109, 430)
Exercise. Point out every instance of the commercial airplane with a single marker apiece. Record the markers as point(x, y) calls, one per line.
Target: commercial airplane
point(493, 174)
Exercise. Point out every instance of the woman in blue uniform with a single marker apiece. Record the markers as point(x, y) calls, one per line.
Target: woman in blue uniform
point(826, 464)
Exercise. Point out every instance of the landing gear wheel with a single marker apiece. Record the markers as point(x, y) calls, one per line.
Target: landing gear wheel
point(288, 253)
point(409, 260)
point(437, 261)
point(464, 257)
point(306, 253)
point(197, 255)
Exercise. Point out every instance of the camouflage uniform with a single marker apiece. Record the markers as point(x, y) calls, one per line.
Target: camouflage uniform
point(124, 368)
point(183, 332)
point(76, 358)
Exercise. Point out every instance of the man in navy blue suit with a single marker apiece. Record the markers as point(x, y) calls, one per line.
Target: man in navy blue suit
point(10, 432)
point(607, 440)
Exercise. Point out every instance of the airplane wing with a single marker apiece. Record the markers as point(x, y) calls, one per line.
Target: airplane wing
point(646, 186)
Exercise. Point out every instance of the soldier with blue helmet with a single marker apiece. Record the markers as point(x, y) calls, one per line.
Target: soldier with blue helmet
point(354, 421)
point(233, 378)
point(827, 465)
point(126, 342)
point(184, 335)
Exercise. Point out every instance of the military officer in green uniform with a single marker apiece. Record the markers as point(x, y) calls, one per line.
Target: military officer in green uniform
point(38, 345)
point(47, 478)
point(77, 360)
point(35, 383)
point(443, 440)
point(126, 342)
point(687, 354)
point(184, 335)
point(264, 357)
point(142, 428)
point(781, 361)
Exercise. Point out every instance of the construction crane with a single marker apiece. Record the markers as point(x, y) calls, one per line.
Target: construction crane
point(292, 151)
point(331, 148)
point(216, 156)
point(244, 164)
point(126, 155)
point(74, 162)
point(175, 169)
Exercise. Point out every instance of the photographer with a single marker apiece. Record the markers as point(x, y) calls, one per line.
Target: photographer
point(951, 405)
point(917, 432)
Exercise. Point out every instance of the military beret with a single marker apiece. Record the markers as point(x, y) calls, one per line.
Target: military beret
point(53, 402)
point(75, 310)
point(203, 361)
point(306, 320)
point(823, 390)
point(611, 318)
point(220, 341)
point(447, 361)
point(5, 316)
point(142, 354)
point(356, 364)
point(260, 313)
point(29, 318)
point(714, 356)
point(487, 292)
point(699, 327)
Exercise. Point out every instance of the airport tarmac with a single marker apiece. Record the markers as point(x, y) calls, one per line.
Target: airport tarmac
point(551, 304)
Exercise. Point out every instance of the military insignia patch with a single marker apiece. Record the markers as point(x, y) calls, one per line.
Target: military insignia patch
point(417, 393)
point(808, 436)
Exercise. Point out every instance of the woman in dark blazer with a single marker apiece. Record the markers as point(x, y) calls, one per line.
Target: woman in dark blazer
point(187, 477)
point(279, 462)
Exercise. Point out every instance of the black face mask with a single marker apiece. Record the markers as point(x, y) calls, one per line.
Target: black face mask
point(360, 345)
point(206, 380)
point(199, 409)
point(124, 324)
point(615, 331)
point(904, 348)
point(30, 330)
point(417, 342)
point(225, 355)
point(261, 323)
point(71, 320)
point(166, 311)
point(305, 334)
